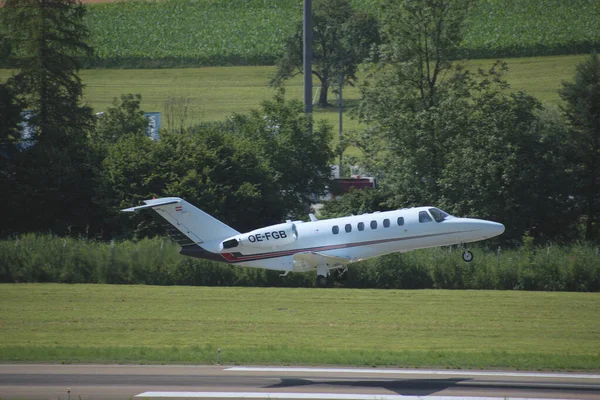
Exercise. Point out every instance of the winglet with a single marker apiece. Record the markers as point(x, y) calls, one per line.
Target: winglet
point(312, 217)
point(154, 203)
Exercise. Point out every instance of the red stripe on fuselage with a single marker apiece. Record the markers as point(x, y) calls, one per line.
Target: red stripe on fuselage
point(230, 257)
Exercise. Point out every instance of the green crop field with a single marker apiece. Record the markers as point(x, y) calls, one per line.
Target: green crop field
point(470, 329)
point(201, 32)
point(251, 32)
point(503, 28)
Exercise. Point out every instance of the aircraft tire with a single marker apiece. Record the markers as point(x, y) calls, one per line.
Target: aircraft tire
point(467, 256)
point(340, 275)
point(322, 281)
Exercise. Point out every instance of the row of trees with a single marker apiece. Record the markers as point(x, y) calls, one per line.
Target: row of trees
point(436, 134)
point(76, 170)
point(251, 170)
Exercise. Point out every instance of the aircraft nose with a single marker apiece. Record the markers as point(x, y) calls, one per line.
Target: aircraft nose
point(493, 228)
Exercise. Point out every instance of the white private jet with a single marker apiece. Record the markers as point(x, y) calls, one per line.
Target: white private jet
point(324, 245)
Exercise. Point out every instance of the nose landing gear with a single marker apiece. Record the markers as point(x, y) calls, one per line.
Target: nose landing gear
point(467, 256)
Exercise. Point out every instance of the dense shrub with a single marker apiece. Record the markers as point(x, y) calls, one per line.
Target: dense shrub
point(45, 258)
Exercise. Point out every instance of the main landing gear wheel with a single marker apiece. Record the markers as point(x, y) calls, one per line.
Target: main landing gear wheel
point(467, 256)
point(322, 281)
point(340, 274)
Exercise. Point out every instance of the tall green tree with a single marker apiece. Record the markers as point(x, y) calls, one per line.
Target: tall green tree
point(53, 176)
point(457, 139)
point(48, 39)
point(498, 155)
point(342, 39)
point(419, 40)
point(509, 160)
point(582, 111)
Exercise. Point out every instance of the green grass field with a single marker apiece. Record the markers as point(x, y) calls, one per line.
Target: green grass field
point(458, 329)
point(217, 92)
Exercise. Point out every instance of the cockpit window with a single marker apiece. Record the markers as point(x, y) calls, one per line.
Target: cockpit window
point(424, 216)
point(438, 214)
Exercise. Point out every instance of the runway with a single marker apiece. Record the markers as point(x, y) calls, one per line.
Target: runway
point(91, 382)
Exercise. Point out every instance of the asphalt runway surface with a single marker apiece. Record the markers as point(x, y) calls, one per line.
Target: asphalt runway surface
point(19, 381)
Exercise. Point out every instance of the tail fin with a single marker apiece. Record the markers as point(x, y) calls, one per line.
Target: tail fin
point(190, 225)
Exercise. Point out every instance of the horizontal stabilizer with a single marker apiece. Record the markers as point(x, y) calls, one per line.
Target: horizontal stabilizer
point(154, 203)
point(188, 225)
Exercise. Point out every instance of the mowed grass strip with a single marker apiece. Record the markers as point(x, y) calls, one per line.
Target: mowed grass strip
point(458, 329)
point(215, 93)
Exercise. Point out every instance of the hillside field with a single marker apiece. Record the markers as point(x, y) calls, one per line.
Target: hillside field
point(217, 92)
point(150, 324)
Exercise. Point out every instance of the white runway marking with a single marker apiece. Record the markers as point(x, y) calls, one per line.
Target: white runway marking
point(416, 372)
point(314, 396)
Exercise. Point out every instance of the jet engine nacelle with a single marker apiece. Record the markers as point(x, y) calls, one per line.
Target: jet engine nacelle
point(271, 236)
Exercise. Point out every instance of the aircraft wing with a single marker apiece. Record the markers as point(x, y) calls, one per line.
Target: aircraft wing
point(309, 260)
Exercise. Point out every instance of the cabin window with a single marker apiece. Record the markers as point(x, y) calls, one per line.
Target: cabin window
point(348, 228)
point(424, 216)
point(361, 226)
point(400, 221)
point(335, 229)
point(373, 224)
point(386, 223)
point(438, 215)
